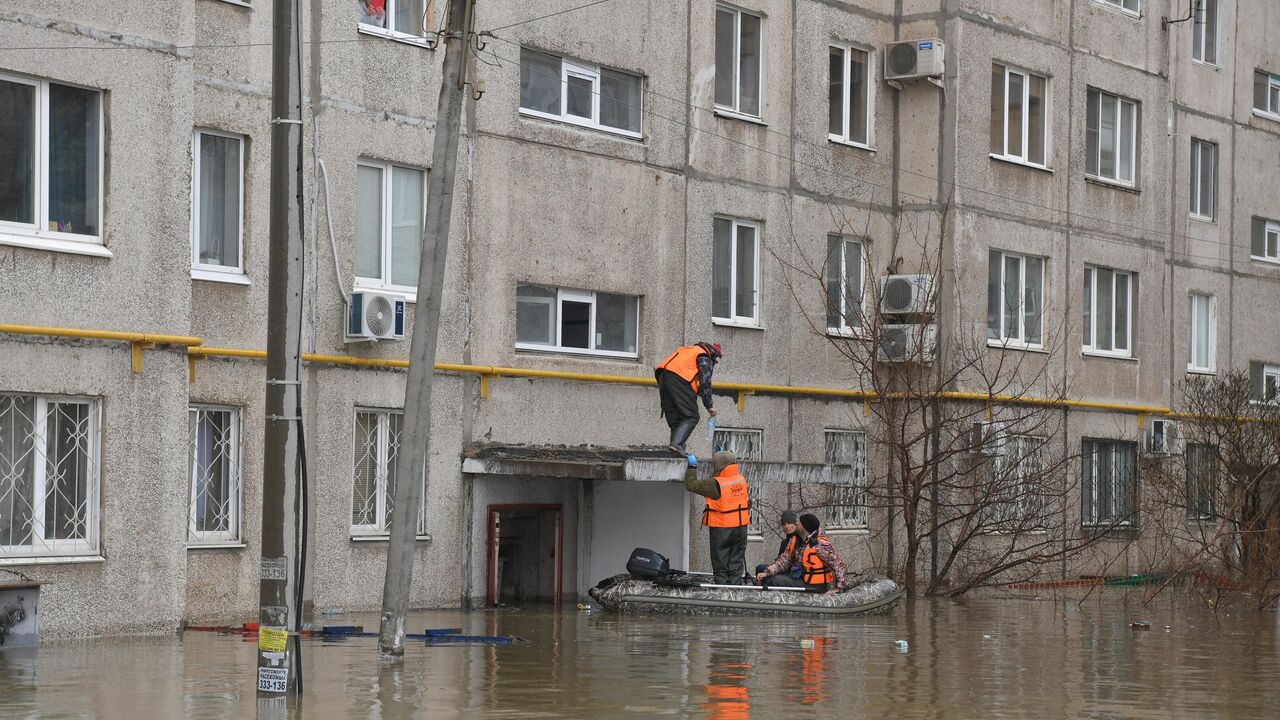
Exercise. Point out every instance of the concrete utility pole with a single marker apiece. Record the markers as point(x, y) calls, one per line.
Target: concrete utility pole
point(410, 475)
point(276, 608)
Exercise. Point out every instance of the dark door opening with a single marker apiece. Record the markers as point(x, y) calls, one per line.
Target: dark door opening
point(524, 554)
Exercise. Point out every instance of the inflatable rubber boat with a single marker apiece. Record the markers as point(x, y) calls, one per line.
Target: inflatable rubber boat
point(690, 594)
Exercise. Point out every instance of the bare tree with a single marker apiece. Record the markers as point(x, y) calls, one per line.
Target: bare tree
point(975, 490)
point(1219, 489)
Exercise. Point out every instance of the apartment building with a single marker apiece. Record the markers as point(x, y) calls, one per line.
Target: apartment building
point(635, 175)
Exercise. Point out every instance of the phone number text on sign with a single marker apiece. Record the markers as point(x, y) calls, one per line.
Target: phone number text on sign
point(273, 679)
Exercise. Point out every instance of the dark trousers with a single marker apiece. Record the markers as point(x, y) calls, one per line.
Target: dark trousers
point(728, 554)
point(785, 580)
point(679, 402)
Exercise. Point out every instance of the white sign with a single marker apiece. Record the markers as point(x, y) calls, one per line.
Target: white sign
point(275, 568)
point(273, 679)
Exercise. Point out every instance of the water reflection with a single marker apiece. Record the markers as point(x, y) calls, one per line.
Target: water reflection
point(982, 658)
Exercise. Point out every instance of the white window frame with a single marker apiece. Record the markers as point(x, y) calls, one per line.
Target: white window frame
point(1136, 11)
point(1272, 111)
point(1198, 148)
point(1270, 239)
point(206, 271)
point(735, 110)
point(1271, 373)
point(725, 438)
point(380, 530)
point(588, 71)
point(384, 284)
point(1192, 332)
point(1011, 465)
point(1096, 518)
point(844, 328)
point(1200, 35)
point(1133, 151)
point(752, 321)
point(853, 512)
point(40, 546)
point(38, 235)
point(400, 35)
point(1020, 341)
point(1091, 348)
point(847, 100)
point(1026, 117)
point(579, 296)
point(236, 489)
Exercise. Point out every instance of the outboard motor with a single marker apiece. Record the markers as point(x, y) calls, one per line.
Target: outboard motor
point(646, 564)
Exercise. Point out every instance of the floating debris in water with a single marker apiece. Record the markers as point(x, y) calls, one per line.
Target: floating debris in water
point(1140, 625)
point(901, 645)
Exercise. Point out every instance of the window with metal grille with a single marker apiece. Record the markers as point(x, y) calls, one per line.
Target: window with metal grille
point(847, 454)
point(1013, 497)
point(377, 445)
point(49, 475)
point(1202, 470)
point(746, 445)
point(1109, 491)
point(215, 511)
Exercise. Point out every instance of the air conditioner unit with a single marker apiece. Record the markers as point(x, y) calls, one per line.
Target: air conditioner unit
point(1163, 437)
point(914, 59)
point(906, 295)
point(907, 343)
point(986, 439)
point(374, 316)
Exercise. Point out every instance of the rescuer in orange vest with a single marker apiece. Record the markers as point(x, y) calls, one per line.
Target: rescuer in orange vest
point(726, 515)
point(683, 377)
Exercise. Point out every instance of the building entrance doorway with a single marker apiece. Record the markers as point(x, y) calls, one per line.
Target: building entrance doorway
point(525, 554)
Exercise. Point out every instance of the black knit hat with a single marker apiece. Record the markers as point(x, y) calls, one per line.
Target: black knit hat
point(788, 518)
point(810, 522)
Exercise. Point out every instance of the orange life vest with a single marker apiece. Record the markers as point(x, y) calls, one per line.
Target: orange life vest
point(733, 508)
point(816, 572)
point(683, 361)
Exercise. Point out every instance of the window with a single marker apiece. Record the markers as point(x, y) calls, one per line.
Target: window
point(1201, 331)
point(1111, 137)
point(735, 271)
point(389, 218)
point(1202, 472)
point(405, 19)
point(1264, 380)
point(1266, 93)
point(851, 118)
point(580, 93)
point(1107, 317)
point(377, 442)
point(582, 321)
point(844, 271)
point(746, 445)
point(847, 449)
point(49, 449)
point(217, 208)
point(738, 61)
point(1013, 496)
point(1264, 243)
point(215, 474)
point(1204, 39)
point(50, 163)
point(1110, 488)
point(1019, 116)
point(1204, 178)
point(1130, 6)
point(1015, 298)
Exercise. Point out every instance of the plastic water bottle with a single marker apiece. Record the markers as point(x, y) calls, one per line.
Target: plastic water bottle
point(901, 645)
point(711, 432)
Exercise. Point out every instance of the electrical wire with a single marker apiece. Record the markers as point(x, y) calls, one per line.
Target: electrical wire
point(548, 15)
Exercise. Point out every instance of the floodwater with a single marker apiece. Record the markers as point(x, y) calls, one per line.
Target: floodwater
point(984, 658)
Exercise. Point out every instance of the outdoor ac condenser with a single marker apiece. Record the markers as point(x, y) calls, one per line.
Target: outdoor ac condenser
point(374, 316)
point(1163, 437)
point(914, 59)
point(907, 343)
point(906, 295)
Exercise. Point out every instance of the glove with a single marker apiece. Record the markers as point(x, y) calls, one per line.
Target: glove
point(693, 460)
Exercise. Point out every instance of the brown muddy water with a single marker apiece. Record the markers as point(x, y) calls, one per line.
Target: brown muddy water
point(987, 658)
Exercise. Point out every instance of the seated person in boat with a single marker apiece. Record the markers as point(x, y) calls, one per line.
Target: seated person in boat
point(789, 547)
point(823, 569)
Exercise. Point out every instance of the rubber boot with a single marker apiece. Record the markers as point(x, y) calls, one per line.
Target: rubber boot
point(679, 434)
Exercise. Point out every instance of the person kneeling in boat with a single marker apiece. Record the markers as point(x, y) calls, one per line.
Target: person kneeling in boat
point(727, 514)
point(823, 568)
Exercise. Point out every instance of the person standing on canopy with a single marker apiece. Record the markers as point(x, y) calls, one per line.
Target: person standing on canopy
point(683, 377)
